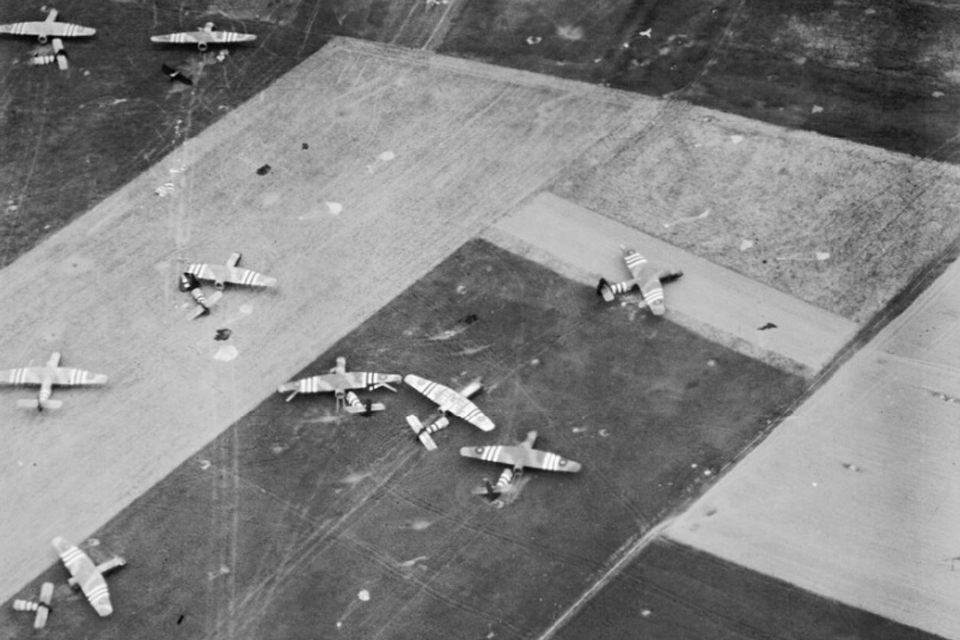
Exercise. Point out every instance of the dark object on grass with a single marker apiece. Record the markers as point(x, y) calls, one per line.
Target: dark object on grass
point(769, 325)
point(175, 74)
point(264, 170)
point(223, 334)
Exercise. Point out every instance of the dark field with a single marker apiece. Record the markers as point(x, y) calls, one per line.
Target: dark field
point(278, 526)
point(877, 73)
point(673, 592)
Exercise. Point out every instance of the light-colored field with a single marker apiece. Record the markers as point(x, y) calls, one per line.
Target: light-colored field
point(857, 495)
point(421, 152)
point(709, 299)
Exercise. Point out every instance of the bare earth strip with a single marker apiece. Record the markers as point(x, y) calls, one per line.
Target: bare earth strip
point(715, 300)
point(857, 496)
point(421, 152)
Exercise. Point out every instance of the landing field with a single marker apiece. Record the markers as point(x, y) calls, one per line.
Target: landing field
point(407, 157)
point(349, 180)
point(298, 523)
point(855, 495)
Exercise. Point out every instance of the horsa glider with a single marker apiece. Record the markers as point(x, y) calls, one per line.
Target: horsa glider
point(48, 376)
point(220, 274)
point(87, 576)
point(49, 28)
point(204, 37)
point(339, 382)
point(41, 606)
point(518, 457)
point(425, 433)
point(450, 401)
point(647, 278)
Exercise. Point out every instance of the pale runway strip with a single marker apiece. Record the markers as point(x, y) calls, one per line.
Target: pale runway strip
point(735, 307)
point(421, 152)
point(857, 496)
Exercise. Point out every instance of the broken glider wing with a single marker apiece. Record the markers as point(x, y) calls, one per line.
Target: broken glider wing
point(449, 401)
point(85, 575)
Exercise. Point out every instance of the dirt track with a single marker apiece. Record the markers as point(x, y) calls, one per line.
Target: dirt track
point(856, 495)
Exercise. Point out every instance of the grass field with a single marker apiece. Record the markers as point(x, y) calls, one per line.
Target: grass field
point(278, 524)
point(466, 144)
point(676, 592)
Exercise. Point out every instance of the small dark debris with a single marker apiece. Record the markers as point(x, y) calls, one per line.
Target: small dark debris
point(852, 467)
point(175, 74)
point(223, 334)
point(180, 619)
point(470, 319)
point(769, 325)
point(711, 511)
point(264, 170)
point(945, 397)
point(304, 146)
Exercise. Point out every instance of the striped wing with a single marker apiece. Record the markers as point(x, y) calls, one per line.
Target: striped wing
point(47, 29)
point(514, 455)
point(85, 574)
point(226, 37)
point(184, 37)
point(69, 30)
point(221, 273)
point(521, 457)
point(548, 461)
point(23, 375)
point(450, 401)
point(314, 384)
point(639, 267)
point(68, 377)
point(205, 37)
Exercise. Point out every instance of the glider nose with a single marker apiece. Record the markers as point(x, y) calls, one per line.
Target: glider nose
point(104, 609)
point(288, 387)
point(657, 308)
point(97, 378)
